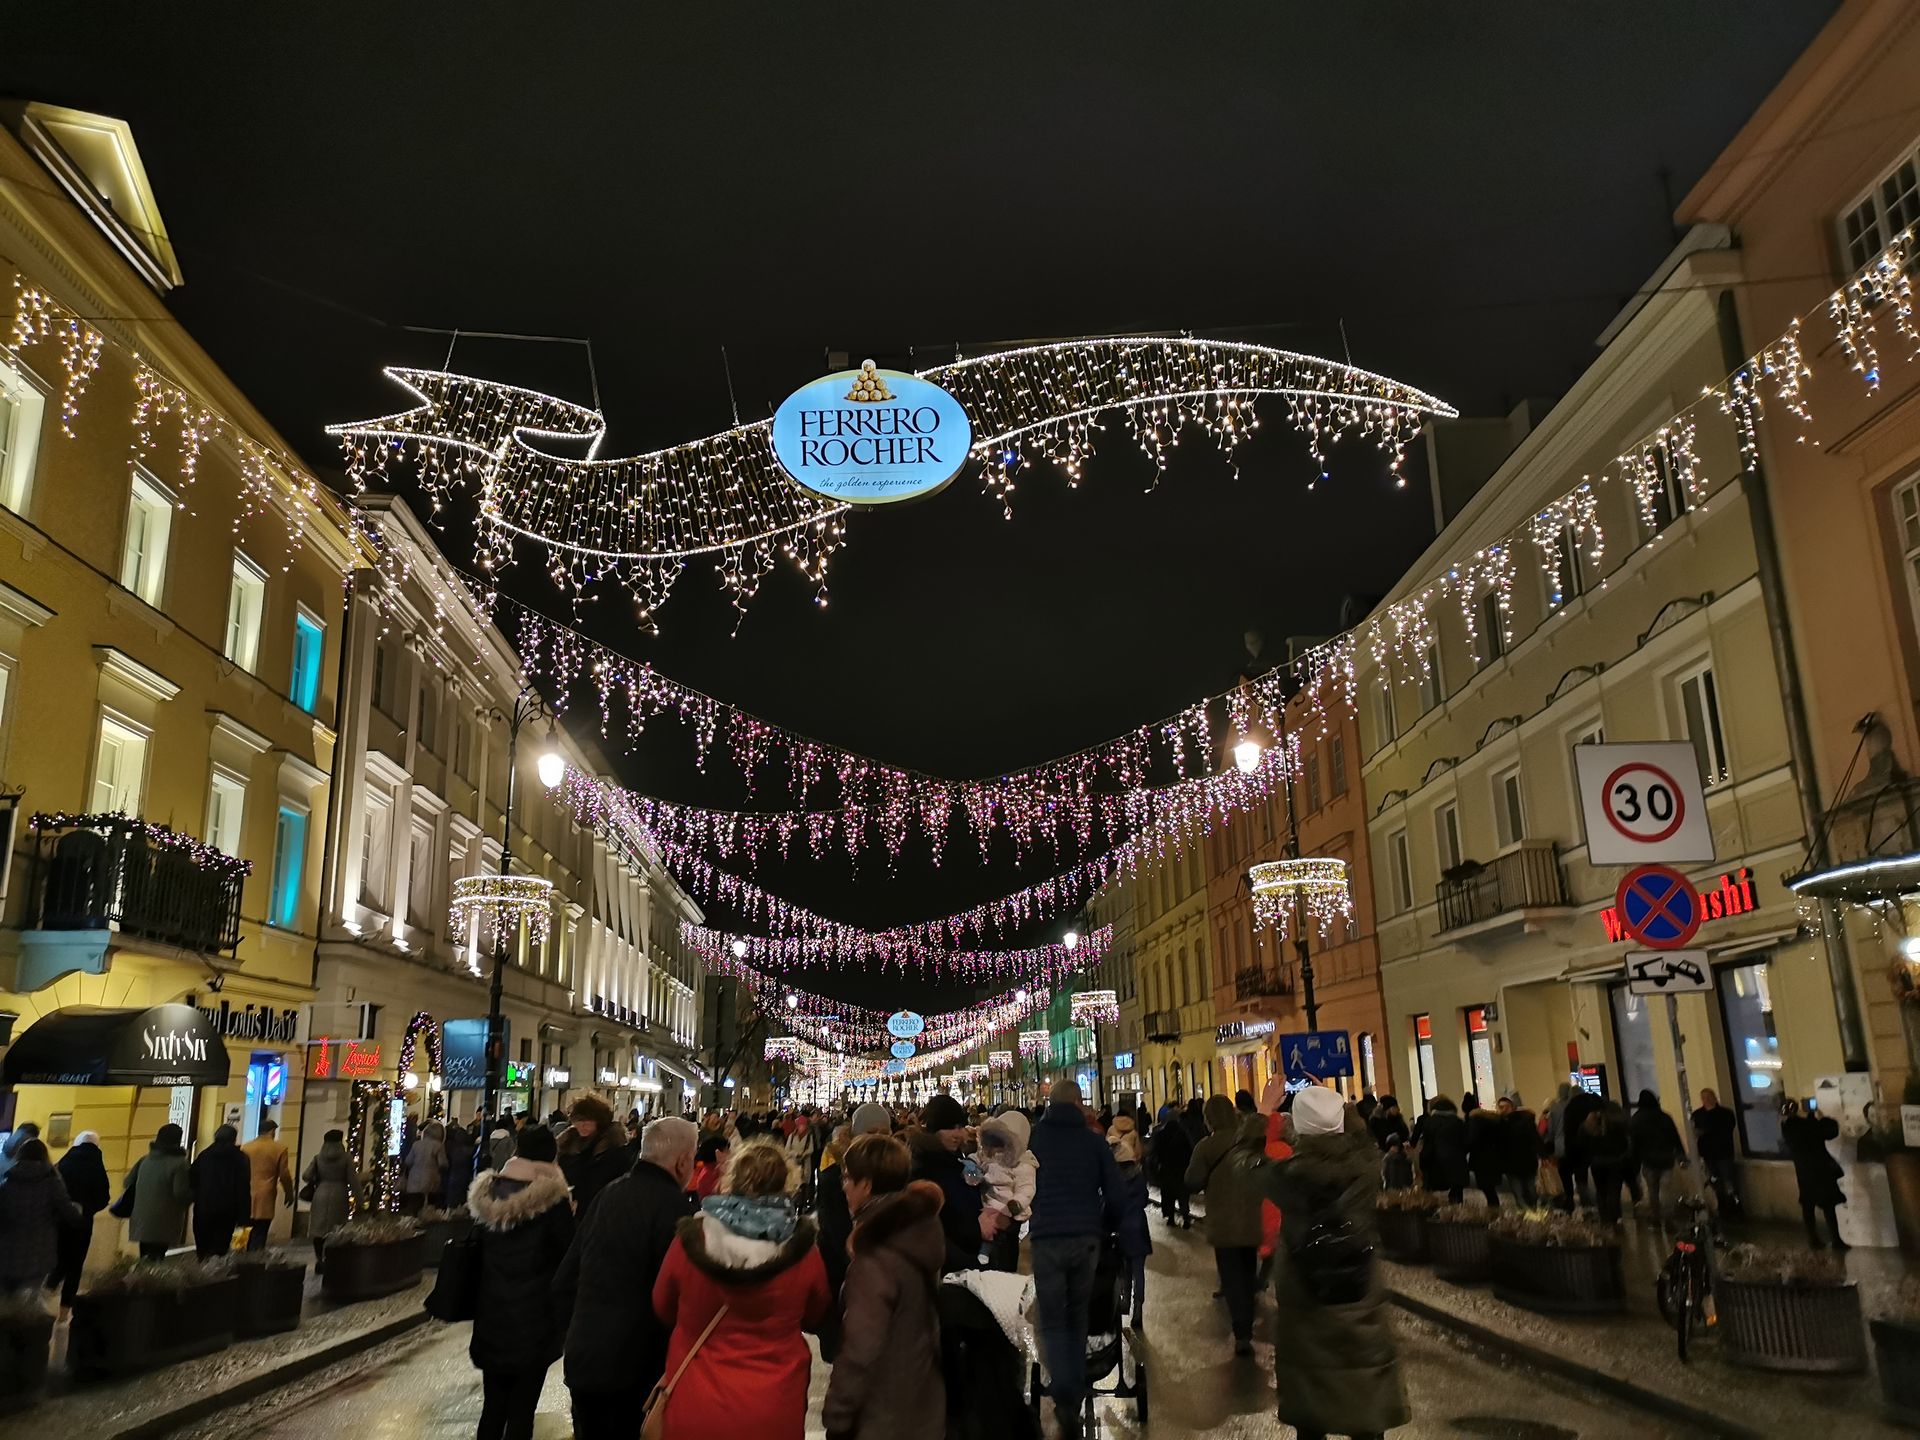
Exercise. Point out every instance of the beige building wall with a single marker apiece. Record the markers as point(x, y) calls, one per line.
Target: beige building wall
point(1171, 941)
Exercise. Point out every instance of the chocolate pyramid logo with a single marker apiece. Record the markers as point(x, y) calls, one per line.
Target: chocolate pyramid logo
point(869, 385)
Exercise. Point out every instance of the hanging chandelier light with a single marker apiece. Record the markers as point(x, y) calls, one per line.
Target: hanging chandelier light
point(1035, 1042)
point(1000, 1059)
point(1096, 1007)
point(1318, 885)
point(500, 903)
point(782, 1047)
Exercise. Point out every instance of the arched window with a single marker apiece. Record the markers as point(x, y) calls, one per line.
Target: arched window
point(1186, 993)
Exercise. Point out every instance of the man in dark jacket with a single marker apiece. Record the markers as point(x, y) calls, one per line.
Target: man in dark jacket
point(84, 1172)
point(936, 1143)
point(222, 1194)
point(1076, 1173)
point(593, 1151)
point(1574, 1158)
point(1483, 1147)
point(1713, 1127)
point(616, 1349)
point(1386, 1122)
point(524, 1224)
point(1169, 1151)
point(1441, 1138)
point(1656, 1148)
point(1520, 1150)
point(836, 1224)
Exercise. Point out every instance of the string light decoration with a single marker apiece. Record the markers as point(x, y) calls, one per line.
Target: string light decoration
point(782, 1047)
point(1095, 1007)
point(1035, 1043)
point(161, 837)
point(498, 904)
point(370, 1117)
point(637, 521)
point(423, 1025)
point(1046, 963)
point(1000, 1059)
point(1318, 886)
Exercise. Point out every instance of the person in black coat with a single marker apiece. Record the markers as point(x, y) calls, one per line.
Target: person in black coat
point(1713, 1128)
point(1441, 1139)
point(523, 1218)
point(222, 1194)
point(593, 1151)
point(84, 1172)
point(836, 1222)
point(616, 1347)
point(936, 1143)
point(459, 1147)
point(1657, 1147)
point(1386, 1122)
point(1483, 1146)
point(1169, 1152)
point(1805, 1137)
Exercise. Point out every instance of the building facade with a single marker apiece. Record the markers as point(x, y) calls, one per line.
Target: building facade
point(1171, 960)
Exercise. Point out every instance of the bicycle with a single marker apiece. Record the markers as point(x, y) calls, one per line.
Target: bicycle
point(1684, 1289)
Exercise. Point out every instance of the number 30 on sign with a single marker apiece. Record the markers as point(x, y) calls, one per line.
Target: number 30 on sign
point(1642, 803)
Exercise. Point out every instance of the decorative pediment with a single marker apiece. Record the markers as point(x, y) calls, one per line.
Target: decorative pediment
point(1673, 612)
point(1575, 678)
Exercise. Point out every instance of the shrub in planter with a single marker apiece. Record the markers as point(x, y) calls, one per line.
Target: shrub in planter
point(1789, 1310)
point(270, 1290)
point(26, 1337)
point(1402, 1217)
point(144, 1313)
point(440, 1226)
point(373, 1256)
point(1458, 1242)
point(1545, 1260)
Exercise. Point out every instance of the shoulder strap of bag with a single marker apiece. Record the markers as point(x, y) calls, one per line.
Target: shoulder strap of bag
point(693, 1350)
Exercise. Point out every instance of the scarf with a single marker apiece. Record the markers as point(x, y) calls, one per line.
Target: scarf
point(765, 1217)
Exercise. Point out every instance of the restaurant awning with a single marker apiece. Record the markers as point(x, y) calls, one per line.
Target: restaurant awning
point(90, 1045)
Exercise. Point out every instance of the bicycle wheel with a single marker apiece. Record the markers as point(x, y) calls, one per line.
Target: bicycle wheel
point(1684, 1301)
point(1665, 1284)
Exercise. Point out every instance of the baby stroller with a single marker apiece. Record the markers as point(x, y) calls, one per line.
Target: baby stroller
point(1109, 1346)
point(985, 1346)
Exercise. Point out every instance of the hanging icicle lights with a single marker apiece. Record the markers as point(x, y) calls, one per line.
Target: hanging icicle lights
point(637, 521)
point(1319, 885)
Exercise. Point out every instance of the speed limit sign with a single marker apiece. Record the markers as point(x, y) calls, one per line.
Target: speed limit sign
point(1642, 803)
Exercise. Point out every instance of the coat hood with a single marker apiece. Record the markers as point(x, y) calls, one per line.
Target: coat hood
point(904, 1221)
point(1014, 1125)
point(733, 1259)
point(500, 1202)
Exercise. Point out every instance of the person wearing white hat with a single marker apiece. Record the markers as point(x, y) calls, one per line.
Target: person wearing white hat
point(1333, 1346)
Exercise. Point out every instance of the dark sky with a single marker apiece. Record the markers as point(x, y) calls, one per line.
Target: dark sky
point(1471, 189)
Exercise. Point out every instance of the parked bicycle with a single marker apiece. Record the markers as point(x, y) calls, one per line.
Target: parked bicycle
point(1684, 1289)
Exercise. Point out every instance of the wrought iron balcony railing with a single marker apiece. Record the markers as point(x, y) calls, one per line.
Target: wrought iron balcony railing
point(1527, 877)
point(116, 872)
point(1259, 982)
point(1161, 1026)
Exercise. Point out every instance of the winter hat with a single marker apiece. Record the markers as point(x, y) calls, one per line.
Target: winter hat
point(1065, 1092)
point(871, 1119)
point(1220, 1114)
point(1319, 1111)
point(1125, 1143)
point(943, 1112)
point(1014, 1126)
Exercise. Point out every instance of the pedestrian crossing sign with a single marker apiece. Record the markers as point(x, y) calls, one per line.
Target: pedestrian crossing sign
point(1317, 1055)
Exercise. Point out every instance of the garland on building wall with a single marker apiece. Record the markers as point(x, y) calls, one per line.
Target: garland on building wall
point(204, 856)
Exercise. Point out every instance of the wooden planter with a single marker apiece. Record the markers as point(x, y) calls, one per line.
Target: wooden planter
point(1896, 1353)
point(123, 1332)
point(23, 1362)
point(268, 1300)
point(1403, 1234)
point(1792, 1327)
point(366, 1272)
point(1461, 1253)
point(1575, 1279)
point(438, 1233)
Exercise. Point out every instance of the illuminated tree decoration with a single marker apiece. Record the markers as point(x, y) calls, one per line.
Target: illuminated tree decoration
point(1000, 1059)
point(370, 1118)
point(498, 903)
point(1035, 1043)
point(1096, 1007)
point(1318, 885)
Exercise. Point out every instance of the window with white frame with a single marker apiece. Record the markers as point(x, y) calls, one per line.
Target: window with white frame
point(1446, 835)
point(1906, 516)
point(420, 873)
point(1891, 204)
point(1431, 688)
point(1509, 808)
point(376, 854)
point(1383, 711)
point(1399, 872)
point(1699, 697)
point(226, 805)
point(119, 767)
point(246, 603)
point(1591, 733)
point(1573, 580)
point(22, 408)
point(6, 715)
point(143, 562)
point(1493, 632)
point(1669, 495)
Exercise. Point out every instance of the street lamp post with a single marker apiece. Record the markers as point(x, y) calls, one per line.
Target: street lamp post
point(1307, 1002)
point(553, 767)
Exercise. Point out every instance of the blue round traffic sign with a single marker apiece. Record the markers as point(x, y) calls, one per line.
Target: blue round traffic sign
point(1658, 907)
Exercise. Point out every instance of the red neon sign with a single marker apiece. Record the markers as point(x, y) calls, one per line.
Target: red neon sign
point(344, 1059)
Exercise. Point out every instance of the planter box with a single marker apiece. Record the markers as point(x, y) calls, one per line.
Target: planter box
point(1461, 1253)
point(1792, 1327)
point(366, 1272)
point(118, 1334)
point(23, 1363)
point(1896, 1353)
point(1403, 1234)
point(1585, 1279)
point(438, 1233)
point(268, 1301)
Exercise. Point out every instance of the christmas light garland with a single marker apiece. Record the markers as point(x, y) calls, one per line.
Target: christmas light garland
point(204, 856)
point(1035, 1043)
point(498, 904)
point(1318, 885)
point(1095, 1007)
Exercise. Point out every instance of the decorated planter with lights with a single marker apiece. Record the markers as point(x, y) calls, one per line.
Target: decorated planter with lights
point(370, 1258)
point(267, 1297)
point(138, 1321)
point(26, 1340)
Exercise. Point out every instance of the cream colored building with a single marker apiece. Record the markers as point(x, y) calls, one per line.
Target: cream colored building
point(1170, 942)
point(1499, 971)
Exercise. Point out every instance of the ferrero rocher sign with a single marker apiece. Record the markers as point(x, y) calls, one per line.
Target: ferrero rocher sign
point(871, 436)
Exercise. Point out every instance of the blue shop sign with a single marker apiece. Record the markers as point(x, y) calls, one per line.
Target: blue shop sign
point(904, 1025)
point(895, 1067)
point(1316, 1054)
point(903, 1049)
point(871, 436)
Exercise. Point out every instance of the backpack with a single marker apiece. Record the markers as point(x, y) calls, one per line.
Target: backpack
point(1335, 1263)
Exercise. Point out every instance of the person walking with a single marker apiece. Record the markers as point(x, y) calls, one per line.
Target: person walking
point(1713, 1130)
point(1484, 1160)
point(1656, 1149)
point(267, 1159)
point(458, 1143)
point(222, 1194)
point(616, 1346)
point(84, 1172)
point(746, 1274)
point(834, 1216)
point(1129, 1211)
point(423, 1169)
point(1519, 1146)
point(936, 1144)
point(1805, 1137)
point(1226, 1167)
point(10, 1149)
point(1386, 1122)
point(330, 1174)
point(1333, 1347)
point(887, 1378)
point(523, 1219)
point(158, 1191)
point(34, 1210)
point(1574, 1157)
point(1169, 1152)
point(1440, 1140)
point(593, 1151)
point(1078, 1181)
point(1606, 1147)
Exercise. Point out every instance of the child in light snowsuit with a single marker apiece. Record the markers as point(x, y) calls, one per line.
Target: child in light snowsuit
point(1007, 1168)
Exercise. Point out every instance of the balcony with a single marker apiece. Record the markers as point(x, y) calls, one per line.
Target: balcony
point(1161, 1026)
point(1259, 982)
point(1510, 891)
point(105, 875)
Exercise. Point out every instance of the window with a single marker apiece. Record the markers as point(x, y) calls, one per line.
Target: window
point(429, 715)
point(1593, 733)
point(21, 409)
point(1890, 206)
point(143, 564)
point(1700, 709)
point(1906, 514)
point(309, 644)
point(1480, 1052)
point(420, 874)
point(226, 804)
point(1337, 764)
point(1383, 711)
point(1572, 581)
point(1669, 496)
point(119, 768)
point(1633, 1041)
point(1423, 1058)
point(375, 854)
point(1509, 810)
point(1313, 782)
point(1493, 629)
point(1446, 836)
point(1431, 690)
point(1753, 1053)
point(1368, 1076)
point(246, 600)
point(1400, 873)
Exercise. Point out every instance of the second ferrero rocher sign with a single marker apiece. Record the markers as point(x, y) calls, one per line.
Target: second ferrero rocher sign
point(871, 436)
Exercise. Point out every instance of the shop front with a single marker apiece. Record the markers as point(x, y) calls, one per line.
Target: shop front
point(1245, 1056)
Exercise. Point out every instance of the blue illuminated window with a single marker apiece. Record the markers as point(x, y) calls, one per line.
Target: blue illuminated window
point(309, 639)
point(289, 867)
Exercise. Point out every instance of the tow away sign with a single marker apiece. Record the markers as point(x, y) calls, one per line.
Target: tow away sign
point(1642, 802)
point(1668, 972)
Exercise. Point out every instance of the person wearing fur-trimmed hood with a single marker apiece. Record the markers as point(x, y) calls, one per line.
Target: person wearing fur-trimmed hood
point(524, 1220)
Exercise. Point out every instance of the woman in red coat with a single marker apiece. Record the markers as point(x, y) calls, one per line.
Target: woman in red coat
point(747, 1251)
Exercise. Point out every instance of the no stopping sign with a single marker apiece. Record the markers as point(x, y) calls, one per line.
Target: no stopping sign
point(1642, 802)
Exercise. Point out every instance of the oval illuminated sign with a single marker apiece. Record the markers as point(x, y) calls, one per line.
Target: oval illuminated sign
point(871, 436)
point(896, 1067)
point(904, 1025)
point(903, 1049)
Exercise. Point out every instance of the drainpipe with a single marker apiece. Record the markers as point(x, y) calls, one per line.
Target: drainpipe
point(1793, 704)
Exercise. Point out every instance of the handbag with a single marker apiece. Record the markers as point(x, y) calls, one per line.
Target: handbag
point(456, 1286)
point(653, 1422)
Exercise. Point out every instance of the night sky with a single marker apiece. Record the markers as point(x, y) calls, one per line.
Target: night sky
point(1471, 190)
